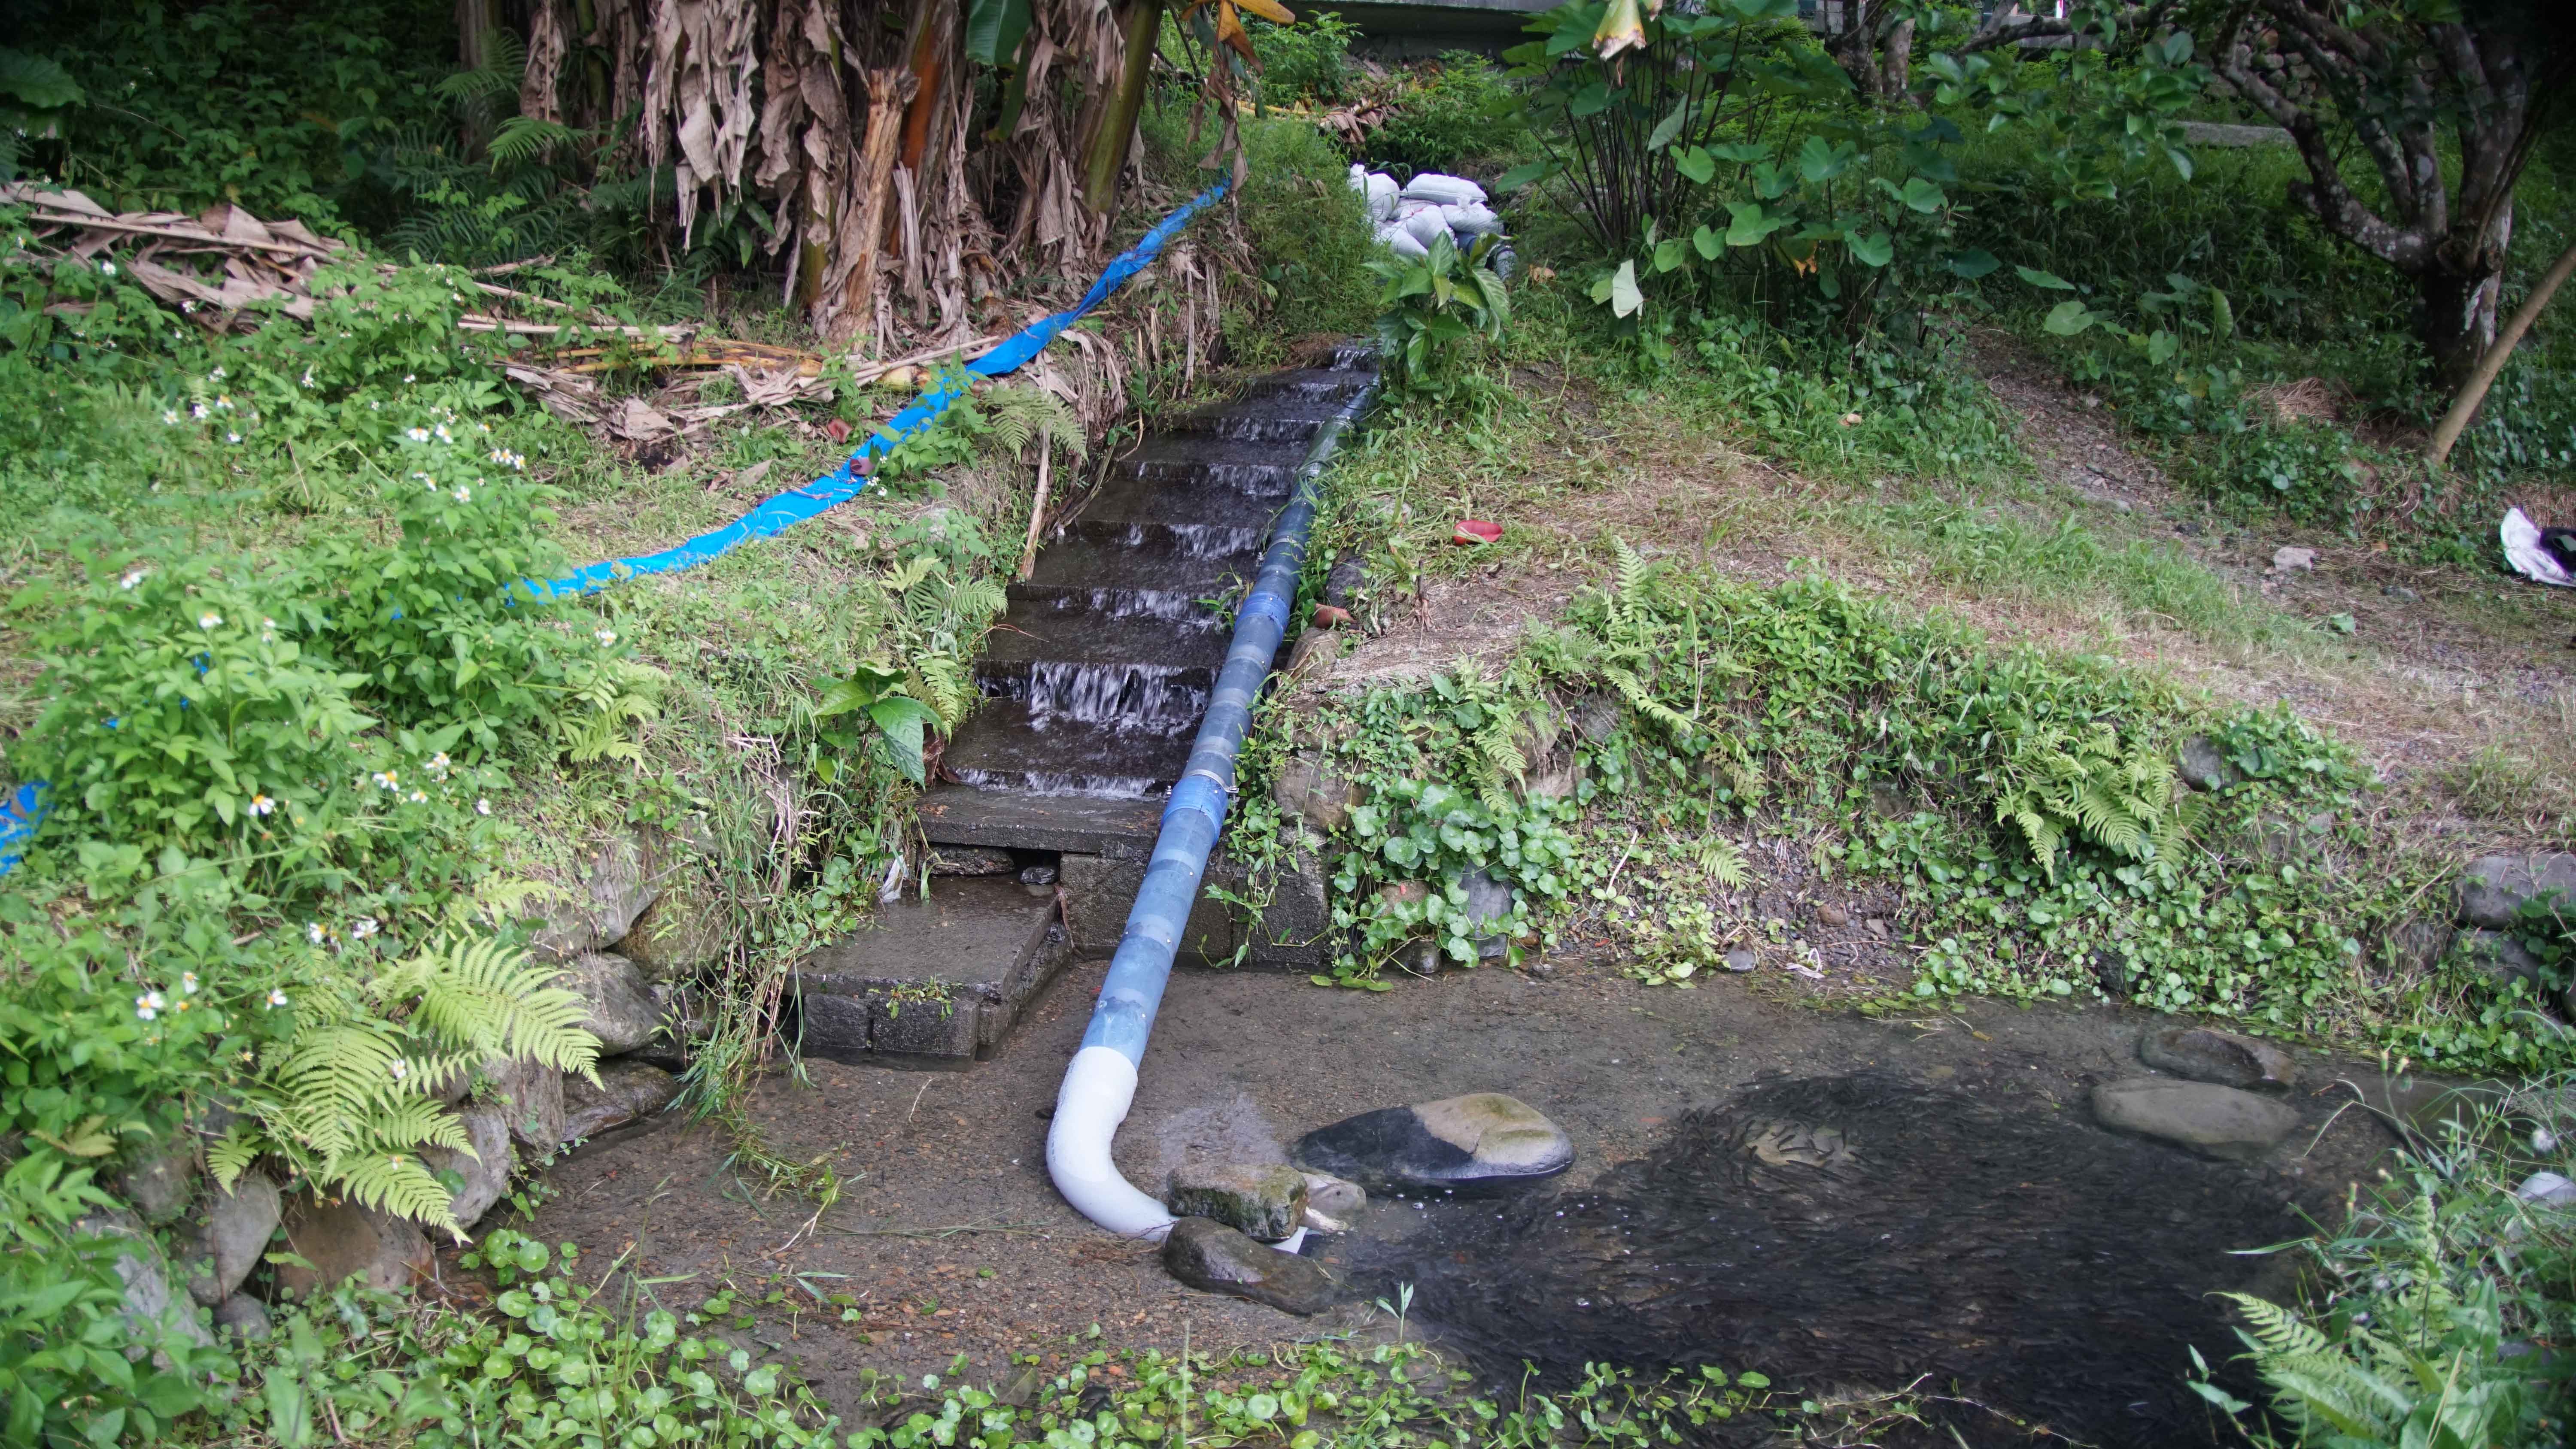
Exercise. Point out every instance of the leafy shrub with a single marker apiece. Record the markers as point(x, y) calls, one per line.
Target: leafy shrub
point(2441, 1309)
point(1307, 61)
point(2310, 471)
point(73, 1370)
point(1437, 307)
point(1455, 111)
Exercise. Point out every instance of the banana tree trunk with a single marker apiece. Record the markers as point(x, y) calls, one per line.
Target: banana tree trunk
point(1117, 130)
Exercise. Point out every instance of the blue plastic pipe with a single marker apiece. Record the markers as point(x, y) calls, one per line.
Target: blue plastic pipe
point(1100, 1083)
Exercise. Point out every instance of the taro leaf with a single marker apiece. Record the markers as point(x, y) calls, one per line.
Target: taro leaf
point(1520, 176)
point(1625, 299)
point(1971, 264)
point(1708, 242)
point(1922, 195)
point(2049, 280)
point(1752, 224)
point(1695, 163)
point(1670, 126)
point(35, 82)
point(1875, 249)
point(1742, 153)
point(1819, 160)
point(2069, 318)
point(1668, 254)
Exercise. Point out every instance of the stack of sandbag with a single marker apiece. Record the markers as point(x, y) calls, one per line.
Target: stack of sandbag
point(1407, 217)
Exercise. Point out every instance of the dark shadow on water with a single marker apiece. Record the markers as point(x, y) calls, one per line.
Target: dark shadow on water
point(1861, 1232)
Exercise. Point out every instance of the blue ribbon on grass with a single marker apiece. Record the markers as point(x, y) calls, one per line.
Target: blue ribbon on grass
point(784, 510)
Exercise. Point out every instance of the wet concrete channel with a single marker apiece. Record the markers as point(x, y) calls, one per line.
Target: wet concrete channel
point(1094, 683)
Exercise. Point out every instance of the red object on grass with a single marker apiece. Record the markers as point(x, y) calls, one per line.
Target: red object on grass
point(1477, 530)
point(837, 430)
point(1331, 616)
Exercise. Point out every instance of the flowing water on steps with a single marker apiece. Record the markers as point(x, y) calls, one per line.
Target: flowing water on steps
point(1096, 679)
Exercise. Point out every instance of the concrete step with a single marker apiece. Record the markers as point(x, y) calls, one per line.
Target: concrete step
point(941, 979)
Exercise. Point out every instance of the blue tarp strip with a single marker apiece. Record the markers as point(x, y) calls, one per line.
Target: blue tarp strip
point(25, 807)
point(844, 483)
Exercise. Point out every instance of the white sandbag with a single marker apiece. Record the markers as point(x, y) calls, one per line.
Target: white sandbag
point(1382, 193)
point(1427, 225)
point(1394, 237)
point(1379, 188)
point(2522, 549)
point(1473, 218)
point(1444, 190)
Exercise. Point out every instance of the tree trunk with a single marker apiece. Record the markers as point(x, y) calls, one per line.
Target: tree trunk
point(2459, 321)
point(1118, 122)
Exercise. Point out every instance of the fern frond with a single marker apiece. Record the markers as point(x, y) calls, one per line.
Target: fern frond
point(482, 998)
point(400, 1183)
point(1723, 861)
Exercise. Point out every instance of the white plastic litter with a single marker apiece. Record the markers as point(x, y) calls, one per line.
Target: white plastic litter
point(2522, 549)
point(1433, 187)
point(2547, 1187)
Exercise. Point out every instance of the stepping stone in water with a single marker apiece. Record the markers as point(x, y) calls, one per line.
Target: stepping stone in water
point(1482, 1142)
point(2222, 1057)
point(1211, 1256)
point(1263, 1201)
point(2218, 1122)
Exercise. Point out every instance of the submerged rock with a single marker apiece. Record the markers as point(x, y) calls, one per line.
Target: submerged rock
point(1335, 1196)
point(1264, 1201)
point(2214, 1121)
point(1211, 1256)
point(2223, 1057)
point(1480, 1142)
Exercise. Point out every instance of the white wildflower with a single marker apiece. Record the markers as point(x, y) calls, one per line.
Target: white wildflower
point(276, 998)
point(148, 1005)
point(209, 619)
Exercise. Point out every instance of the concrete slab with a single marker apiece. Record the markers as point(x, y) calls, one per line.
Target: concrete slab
point(941, 979)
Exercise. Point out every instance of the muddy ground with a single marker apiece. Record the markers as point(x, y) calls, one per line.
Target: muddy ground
point(950, 1241)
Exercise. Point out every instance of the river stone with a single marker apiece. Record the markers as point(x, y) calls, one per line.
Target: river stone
point(1313, 791)
point(627, 1091)
point(150, 1301)
point(2498, 957)
point(2494, 887)
point(2214, 1121)
point(2223, 1057)
point(244, 1317)
point(531, 1096)
point(236, 1230)
point(1263, 1201)
point(343, 1240)
point(1336, 1196)
point(1211, 1256)
point(597, 911)
point(682, 933)
point(619, 999)
point(485, 1172)
point(2203, 766)
point(1481, 1142)
point(1489, 908)
point(158, 1180)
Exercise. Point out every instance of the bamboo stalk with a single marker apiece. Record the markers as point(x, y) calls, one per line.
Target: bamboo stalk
point(2474, 391)
point(1037, 510)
